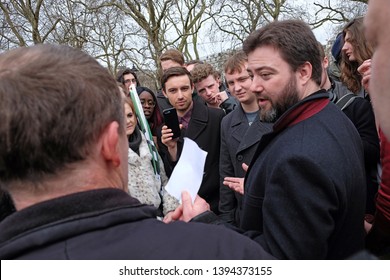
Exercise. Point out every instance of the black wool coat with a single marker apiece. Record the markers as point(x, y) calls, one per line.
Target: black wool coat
point(204, 129)
point(238, 144)
point(305, 188)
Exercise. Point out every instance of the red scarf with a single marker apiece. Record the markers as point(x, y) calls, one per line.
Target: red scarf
point(301, 113)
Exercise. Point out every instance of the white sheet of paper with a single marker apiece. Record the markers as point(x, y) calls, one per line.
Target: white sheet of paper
point(188, 172)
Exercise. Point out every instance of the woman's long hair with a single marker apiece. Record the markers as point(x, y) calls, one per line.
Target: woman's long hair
point(362, 51)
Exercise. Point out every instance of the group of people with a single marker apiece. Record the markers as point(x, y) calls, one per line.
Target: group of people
point(292, 153)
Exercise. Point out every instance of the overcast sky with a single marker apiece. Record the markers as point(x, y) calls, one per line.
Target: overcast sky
point(323, 33)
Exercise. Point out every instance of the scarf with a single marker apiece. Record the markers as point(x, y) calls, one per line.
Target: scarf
point(135, 140)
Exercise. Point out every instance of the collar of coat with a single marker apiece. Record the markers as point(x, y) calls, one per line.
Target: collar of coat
point(65, 209)
point(303, 110)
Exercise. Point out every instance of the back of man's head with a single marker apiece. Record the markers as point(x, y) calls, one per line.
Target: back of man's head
point(235, 63)
point(55, 101)
point(202, 71)
point(293, 39)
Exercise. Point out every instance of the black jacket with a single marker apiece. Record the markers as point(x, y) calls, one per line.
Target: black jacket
point(238, 145)
point(302, 199)
point(109, 224)
point(204, 128)
point(305, 189)
point(362, 116)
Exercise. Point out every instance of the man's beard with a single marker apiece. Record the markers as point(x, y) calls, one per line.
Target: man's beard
point(286, 100)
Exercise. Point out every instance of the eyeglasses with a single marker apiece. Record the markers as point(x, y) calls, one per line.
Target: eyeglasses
point(132, 81)
point(150, 103)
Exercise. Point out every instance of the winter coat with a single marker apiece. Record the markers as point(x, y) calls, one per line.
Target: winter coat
point(204, 129)
point(144, 184)
point(362, 116)
point(238, 145)
point(305, 188)
point(108, 224)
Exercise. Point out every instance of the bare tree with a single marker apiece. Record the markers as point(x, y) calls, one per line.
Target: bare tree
point(162, 25)
point(234, 20)
point(337, 12)
point(135, 33)
point(102, 32)
point(26, 22)
point(74, 27)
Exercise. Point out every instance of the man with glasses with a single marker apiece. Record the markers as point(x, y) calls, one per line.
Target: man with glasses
point(128, 78)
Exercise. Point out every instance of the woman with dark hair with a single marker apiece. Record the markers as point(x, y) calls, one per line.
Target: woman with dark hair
point(128, 77)
point(151, 110)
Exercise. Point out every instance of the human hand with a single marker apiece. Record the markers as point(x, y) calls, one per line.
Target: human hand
point(169, 217)
point(186, 211)
point(234, 183)
point(365, 70)
point(174, 215)
point(220, 97)
point(191, 210)
point(166, 137)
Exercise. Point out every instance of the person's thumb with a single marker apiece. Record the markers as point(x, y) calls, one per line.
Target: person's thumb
point(186, 200)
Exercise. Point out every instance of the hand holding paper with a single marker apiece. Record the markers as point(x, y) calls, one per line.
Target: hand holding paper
point(188, 209)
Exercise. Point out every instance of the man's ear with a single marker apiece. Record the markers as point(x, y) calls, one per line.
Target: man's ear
point(305, 72)
point(110, 144)
point(325, 62)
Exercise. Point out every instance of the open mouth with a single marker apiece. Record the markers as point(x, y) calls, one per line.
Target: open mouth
point(262, 101)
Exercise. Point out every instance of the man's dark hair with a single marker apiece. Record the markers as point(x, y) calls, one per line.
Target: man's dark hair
point(295, 41)
point(174, 72)
point(120, 77)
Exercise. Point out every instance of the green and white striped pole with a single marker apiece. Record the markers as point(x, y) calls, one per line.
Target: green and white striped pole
point(145, 129)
